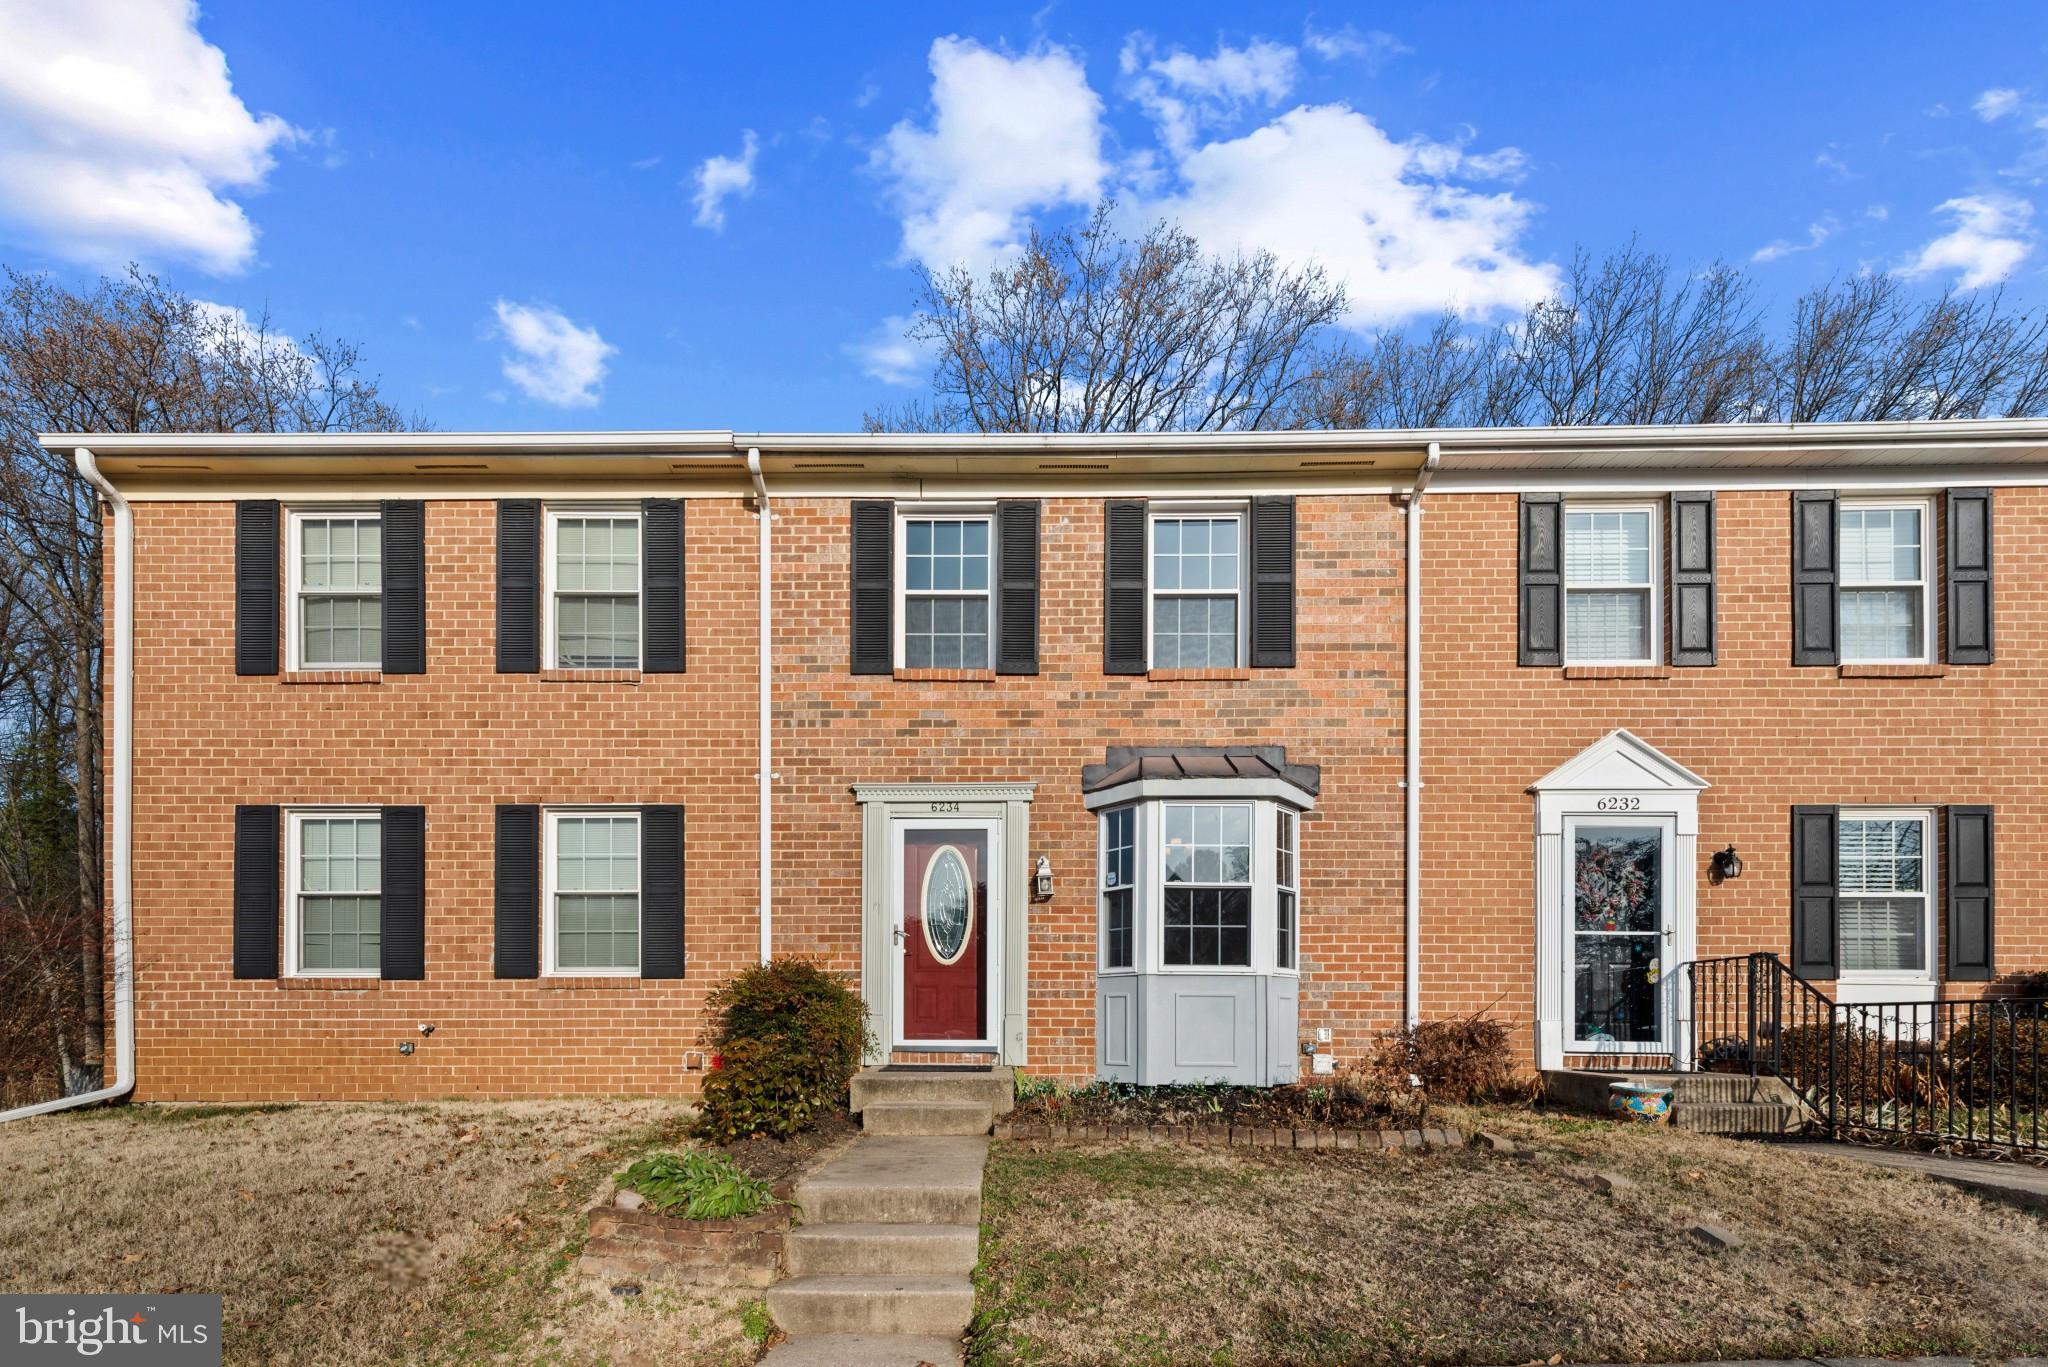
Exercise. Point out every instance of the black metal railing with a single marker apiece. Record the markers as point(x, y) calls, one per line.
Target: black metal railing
point(1968, 1072)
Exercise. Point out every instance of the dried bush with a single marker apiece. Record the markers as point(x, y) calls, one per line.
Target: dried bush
point(1872, 1069)
point(1996, 1059)
point(1463, 1059)
point(786, 1038)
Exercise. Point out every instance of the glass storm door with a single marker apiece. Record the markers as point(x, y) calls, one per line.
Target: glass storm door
point(943, 932)
point(1618, 931)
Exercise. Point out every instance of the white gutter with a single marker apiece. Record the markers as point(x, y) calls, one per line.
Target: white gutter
point(1411, 782)
point(764, 760)
point(119, 663)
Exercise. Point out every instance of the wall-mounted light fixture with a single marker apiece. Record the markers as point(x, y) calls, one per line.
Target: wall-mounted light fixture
point(1727, 864)
point(1041, 880)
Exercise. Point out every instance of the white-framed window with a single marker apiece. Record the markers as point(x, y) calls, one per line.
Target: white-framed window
point(1286, 891)
point(945, 569)
point(1884, 873)
point(590, 898)
point(1207, 885)
point(1884, 583)
point(1119, 888)
point(1195, 611)
point(334, 565)
point(334, 892)
point(1611, 604)
point(592, 601)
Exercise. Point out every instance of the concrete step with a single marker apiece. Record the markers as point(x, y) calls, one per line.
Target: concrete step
point(927, 1117)
point(936, 1306)
point(1737, 1117)
point(909, 1180)
point(847, 1250)
point(865, 1350)
point(1587, 1090)
point(997, 1087)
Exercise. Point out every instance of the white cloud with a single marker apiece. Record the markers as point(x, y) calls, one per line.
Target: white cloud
point(1878, 212)
point(1996, 103)
point(121, 134)
point(1816, 233)
point(1008, 134)
point(1993, 233)
point(1326, 184)
point(1183, 93)
point(1371, 47)
point(719, 178)
point(552, 359)
point(890, 355)
point(1834, 165)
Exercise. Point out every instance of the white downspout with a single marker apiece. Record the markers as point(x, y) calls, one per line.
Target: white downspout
point(765, 759)
point(120, 664)
point(1411, 783)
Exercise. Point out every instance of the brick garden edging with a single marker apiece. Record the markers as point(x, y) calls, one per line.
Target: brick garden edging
point(1240, 1136)
point(629, 1242)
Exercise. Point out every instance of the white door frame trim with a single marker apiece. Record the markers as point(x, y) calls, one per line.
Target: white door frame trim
point(900, 827)
point(882, 806)
point(1618, 776)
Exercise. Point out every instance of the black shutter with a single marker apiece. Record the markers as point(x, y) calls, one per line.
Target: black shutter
point(1123, 587)
point(1692, 579)
point(874, 591)
point(518, 586)
point(259, 841)
point(1017, 586)
point(661, 892)
point(662, 649)
point(1814, 904)
point(516, 899)
point(1969, 576)
point(1272, 583)
point(1541, 568)
point(403, 525)
point(1816, 606)
point(1971, 938)
point(258, 547)
point(402, 942)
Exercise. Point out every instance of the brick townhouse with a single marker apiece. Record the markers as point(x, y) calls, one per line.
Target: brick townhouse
point(469, 764)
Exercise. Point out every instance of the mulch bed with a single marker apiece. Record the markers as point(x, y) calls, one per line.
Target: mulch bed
point(782, 1160)
point(1288, 1108)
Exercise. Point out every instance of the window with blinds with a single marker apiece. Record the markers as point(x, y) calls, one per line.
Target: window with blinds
point(1610, 569)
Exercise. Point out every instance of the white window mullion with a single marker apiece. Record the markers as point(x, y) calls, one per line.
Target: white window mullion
point(1886, 614)
point(1611, 605)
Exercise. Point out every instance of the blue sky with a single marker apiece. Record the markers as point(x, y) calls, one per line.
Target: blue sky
point(669, 215)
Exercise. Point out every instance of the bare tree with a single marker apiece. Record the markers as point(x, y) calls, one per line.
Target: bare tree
point(1087, 331)
point(128, 355)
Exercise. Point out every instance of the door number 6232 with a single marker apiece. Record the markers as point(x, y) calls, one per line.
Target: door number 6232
point(1619, 804)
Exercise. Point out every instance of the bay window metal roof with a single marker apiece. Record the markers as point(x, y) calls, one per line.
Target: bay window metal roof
point(1126, 764)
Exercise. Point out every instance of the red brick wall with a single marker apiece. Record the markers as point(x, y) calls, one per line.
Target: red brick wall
point(458, 740)
point(463, 738)
point(1765, 735)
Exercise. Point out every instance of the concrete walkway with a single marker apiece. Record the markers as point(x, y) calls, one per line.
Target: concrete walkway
point(2015, 1184)
point(880, 1267)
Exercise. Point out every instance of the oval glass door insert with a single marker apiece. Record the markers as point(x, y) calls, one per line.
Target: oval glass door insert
point(948, 905)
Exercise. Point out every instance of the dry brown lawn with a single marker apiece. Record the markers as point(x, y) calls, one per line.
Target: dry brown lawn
point(346, 1234)
point(1133, 1254)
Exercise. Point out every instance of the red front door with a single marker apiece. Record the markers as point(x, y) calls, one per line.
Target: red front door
point(945, 934)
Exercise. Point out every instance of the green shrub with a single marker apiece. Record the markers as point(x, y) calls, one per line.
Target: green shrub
point(786, 1037)
point(697, 1185)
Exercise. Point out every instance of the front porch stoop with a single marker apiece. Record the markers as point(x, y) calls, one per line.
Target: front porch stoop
point(881, 1265)
point(1705, 1103)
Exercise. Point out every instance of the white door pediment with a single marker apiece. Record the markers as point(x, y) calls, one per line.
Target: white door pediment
point(1624, 769)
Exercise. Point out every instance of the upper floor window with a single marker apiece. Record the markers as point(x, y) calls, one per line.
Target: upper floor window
point(946, 594)
point(1887, 920)
point(1197, 576)
point(1610, 599)
point(592, 898)
point(1884, 583)
point(593, 599)
point(336, 564)
point(334, 893)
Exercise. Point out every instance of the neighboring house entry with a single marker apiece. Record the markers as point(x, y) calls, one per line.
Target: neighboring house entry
point(944, 902)
point(1617, 840)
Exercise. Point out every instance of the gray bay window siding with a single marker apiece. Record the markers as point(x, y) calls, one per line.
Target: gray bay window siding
point(1200, 857)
